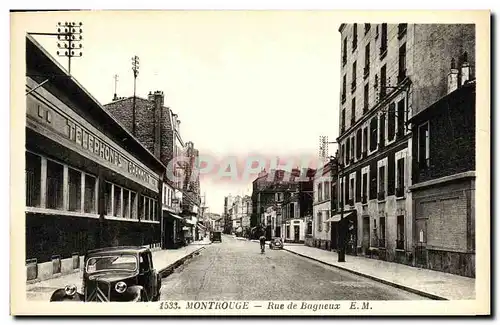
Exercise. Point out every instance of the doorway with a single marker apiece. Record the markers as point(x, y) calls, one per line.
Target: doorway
point(296, 233)
point(366, 233)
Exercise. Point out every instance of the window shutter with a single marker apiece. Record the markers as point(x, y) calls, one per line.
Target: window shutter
point(358, 186)
point(392, 173)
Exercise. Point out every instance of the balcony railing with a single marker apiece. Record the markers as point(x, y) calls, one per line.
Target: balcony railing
point(381, 196)
point(381, 242)
point(400, 244)
point(400, 192)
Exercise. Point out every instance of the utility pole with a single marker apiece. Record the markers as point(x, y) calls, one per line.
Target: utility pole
point(69, 36)
point(135, 69)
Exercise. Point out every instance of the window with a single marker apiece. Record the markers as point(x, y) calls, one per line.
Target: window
point(365, 98)
point(423, 145)
point(373, 183)
point(352, 183)
point(383, 81)
point(344, 88)
point(344, 54)
point(320, 221)
point(366, 70)
point(126, 203)
point(141, 204)
point(382, 181)
point(402, 63)
point(348, 151)
point(382, 232)
point(401, 117)
point(358, 143)
point(108, 200)
point(33, 179)
point(354, 37)
point(352, 148)
point(365, 140)
point(133, 205)
point(343, 120)
point(400, 244)
point(400, 177)
point(117, 201)
point(382, 130)
point(364, 185)
point(367, 28)
point(383, 41)
point(327, 190)
point(353, 83)
point(391, 123)
point(279, 197)
point(55, 180)
point(353, 111)
point(402, 30)
point(74, 190)
point(343, 154)
point(89, 205)
point(327, 224)
point(373, 133)
point(320, 192)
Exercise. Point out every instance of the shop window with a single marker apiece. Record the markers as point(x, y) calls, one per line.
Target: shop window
point(55, 181)
point(89, 205)
point(117, 201)
point(108, 199)
point(133, 205)
point(146, 208)
point(33, 179)
point(153, 204)
point(74, 189)
point(126, 203)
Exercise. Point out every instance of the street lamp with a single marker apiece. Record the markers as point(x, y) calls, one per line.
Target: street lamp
point(135, 70)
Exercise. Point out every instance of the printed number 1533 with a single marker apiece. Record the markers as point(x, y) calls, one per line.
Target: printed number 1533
point(169, 305)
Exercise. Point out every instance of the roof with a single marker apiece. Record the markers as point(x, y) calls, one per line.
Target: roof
point(40, 60)
point(118, 249)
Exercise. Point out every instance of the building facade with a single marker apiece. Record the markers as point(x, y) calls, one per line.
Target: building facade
point(89, 182)
point(158, 128)
point(444, 179)
point(389, 72)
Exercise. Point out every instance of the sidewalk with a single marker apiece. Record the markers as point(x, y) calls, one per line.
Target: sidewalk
point(432, 284)
point(164, 261)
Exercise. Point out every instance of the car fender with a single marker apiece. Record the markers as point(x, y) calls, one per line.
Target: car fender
point(136, 293)
point(60, 295)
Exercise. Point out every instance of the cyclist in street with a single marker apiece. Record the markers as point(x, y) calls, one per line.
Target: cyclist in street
point(262, 240)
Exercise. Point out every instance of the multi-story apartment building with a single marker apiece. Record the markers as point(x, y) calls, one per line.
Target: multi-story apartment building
point(444, 178)
point(228, 207)
point(388, 73)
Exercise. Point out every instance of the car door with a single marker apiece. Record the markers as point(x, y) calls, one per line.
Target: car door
point(146, 273)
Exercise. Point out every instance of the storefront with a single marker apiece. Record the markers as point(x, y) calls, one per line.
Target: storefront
point(89, 183)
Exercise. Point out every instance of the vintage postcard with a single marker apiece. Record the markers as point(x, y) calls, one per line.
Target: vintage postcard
point(319, 163)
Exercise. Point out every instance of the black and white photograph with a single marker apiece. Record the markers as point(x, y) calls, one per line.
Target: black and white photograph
point(250, 162)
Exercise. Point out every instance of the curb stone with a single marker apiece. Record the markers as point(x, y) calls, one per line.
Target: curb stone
point(169, 269)
point(392, 284)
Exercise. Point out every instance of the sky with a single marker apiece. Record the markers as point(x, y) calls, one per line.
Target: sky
point(242, 82)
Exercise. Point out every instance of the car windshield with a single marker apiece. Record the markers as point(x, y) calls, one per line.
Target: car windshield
point(112, 262)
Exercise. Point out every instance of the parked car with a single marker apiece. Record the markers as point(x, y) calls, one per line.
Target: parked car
point(124, 273)
point(216, 236)
point(276, 243)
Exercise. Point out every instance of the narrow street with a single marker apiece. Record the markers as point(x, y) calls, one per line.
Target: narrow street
point(236, 270)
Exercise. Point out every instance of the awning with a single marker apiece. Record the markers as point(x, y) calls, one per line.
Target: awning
point(336, 218)
point(175, 216)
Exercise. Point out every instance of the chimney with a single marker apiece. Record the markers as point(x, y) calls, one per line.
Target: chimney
point(465, 70)
point(151, 97)
point(157, 96)
point(452, 77)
